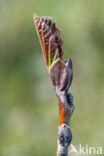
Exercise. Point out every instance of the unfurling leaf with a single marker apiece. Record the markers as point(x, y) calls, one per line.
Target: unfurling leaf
point(49, 37)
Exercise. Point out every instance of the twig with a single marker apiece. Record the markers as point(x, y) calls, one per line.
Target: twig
point(61, 76)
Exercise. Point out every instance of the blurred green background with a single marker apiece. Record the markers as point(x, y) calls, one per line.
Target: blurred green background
point(28, 105)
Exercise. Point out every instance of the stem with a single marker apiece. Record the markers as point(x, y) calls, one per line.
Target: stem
point(64, 133)
point(61, 77)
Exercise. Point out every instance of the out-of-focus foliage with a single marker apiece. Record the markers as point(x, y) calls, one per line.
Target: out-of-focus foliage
point(28, 105)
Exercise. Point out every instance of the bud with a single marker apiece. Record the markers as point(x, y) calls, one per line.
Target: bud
point(61, 74)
